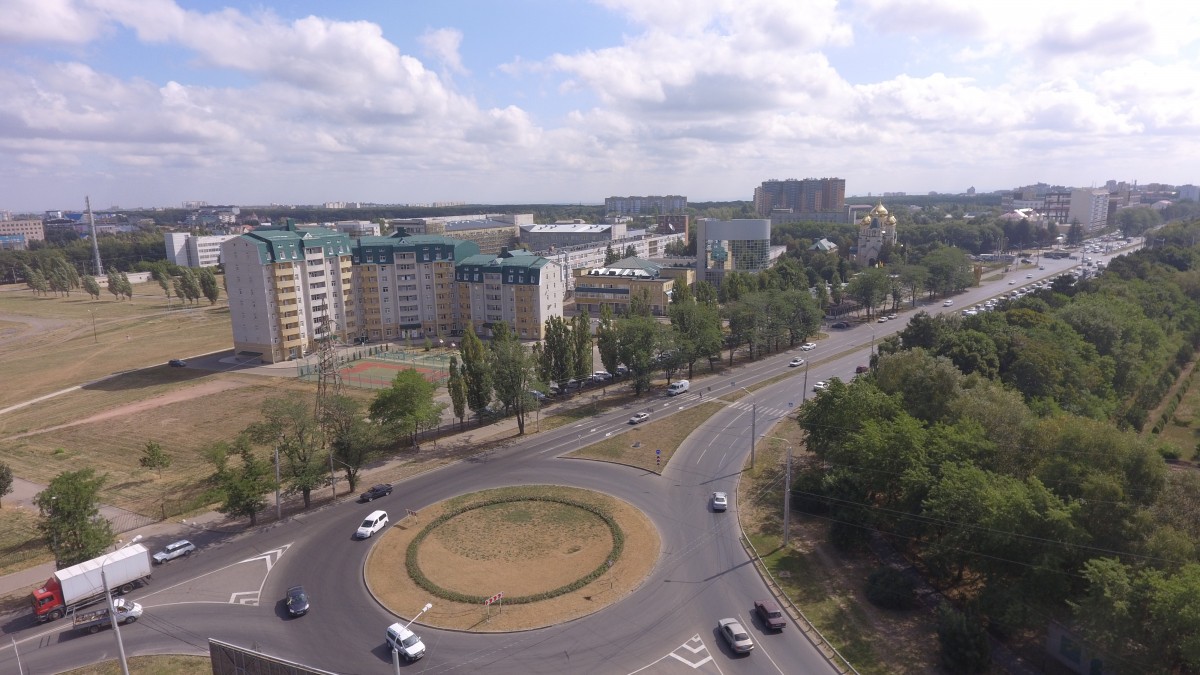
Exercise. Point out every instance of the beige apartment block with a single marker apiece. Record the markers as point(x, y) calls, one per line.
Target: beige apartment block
point(514, 287)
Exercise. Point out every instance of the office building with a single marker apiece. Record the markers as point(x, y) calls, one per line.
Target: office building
point(558, 235)
point(742, 245)
point(189, 250)
point(1089, 208)
point(27, 230)
point(615, 285)
point(811, 195)
point(586, 256)
point(493, 232)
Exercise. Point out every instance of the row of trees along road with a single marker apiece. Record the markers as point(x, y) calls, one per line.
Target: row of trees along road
point(1000, 451)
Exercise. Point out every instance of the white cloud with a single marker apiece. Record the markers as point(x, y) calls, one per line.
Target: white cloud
point(442, 45)
point(40, 21)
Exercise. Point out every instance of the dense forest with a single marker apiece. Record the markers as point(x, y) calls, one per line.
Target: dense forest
point(1000, 453)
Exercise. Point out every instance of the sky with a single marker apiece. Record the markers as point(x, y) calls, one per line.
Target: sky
point(141, 103)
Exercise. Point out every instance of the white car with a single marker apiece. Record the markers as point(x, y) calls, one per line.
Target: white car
point(795, 362)
point(601, 376)
point(808, 346)
point(403, 640)
point(181, 548)
point(1012, 282)
point(737, 637)
point(640, 417)
point(821, 386)
point(948, 303)
point(374, 522)
point(882, 319)
point(720, 501)
point(891, 317)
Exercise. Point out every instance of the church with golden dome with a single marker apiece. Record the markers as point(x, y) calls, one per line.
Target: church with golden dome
point(876, 230)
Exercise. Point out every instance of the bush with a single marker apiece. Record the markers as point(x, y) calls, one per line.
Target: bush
point(964, 643)
point(889, 588)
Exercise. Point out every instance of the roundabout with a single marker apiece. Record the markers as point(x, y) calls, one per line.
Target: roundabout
point(555, 553)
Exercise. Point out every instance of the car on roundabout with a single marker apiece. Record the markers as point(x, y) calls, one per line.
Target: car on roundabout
point(770, 614)
point(735, 635)
point(720, 501)
point(404, 641)
point(639, 418)
point(795, 362)
point(296, 601)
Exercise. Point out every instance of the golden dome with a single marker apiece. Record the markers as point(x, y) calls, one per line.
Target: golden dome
point(879, 210)
point(891, 220)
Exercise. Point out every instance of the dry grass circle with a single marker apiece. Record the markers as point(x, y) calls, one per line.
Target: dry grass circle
point(522, 541)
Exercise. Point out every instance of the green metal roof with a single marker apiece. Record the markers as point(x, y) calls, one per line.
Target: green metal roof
point(285, 244)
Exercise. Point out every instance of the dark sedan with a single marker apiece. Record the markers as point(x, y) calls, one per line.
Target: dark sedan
point(297, 601)
point(376, 492)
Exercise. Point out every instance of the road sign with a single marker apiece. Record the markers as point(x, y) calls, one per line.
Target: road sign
point(494, 598)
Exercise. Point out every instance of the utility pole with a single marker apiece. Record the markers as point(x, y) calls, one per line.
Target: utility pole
point(787, 497)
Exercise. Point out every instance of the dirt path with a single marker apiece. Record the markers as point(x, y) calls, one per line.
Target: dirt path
point(203, 389)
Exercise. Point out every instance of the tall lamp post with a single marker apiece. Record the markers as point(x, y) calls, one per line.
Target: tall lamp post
point(112, 611)
point(787, 490)
point(753, 423)
point(94, 337)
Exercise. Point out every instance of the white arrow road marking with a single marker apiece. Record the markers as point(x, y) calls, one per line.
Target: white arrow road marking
point(245, 598)
point(700, 647)
point(270, 557)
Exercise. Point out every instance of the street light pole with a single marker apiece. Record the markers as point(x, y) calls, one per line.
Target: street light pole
point(278, 507)
point(787, 491)
point(753, 423)
point(112, 612)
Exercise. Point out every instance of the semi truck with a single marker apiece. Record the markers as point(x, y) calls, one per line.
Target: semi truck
point(95, 618)
point(83, 584)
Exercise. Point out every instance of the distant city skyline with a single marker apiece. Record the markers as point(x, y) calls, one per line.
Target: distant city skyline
point(158, 102)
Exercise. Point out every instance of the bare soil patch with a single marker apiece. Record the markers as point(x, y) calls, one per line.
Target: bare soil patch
point(388, 580)
point(495, 546)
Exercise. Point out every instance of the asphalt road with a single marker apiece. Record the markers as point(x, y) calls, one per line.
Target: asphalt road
point(232, 588)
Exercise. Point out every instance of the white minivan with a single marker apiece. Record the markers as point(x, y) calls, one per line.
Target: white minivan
point(376, 521)
point(678, 387)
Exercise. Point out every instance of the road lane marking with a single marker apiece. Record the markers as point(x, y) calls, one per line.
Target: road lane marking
point(763, 649)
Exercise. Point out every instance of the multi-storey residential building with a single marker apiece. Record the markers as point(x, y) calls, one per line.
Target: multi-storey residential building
point(645, 206)
point(515, 287)
point(493, 232)
point(556, 235)
point(742, 245)
point(286, 288)
point(405, 285)
point(189, 250)
point(1191, 192)
point(673, 224)
point(1056, 206)
point(587, 256)
point(283, 281)
point(616, 284)
point(811, 195)
point(28, 230)
point(1089, 207)
point(356, 228)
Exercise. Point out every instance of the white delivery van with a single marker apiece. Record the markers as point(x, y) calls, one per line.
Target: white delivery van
point(373, 523)
point(678, 387)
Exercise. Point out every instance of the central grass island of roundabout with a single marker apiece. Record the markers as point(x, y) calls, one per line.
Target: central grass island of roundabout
point(556, 553)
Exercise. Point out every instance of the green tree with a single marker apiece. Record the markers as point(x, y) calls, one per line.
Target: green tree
point(244, 484)
point(581, 345)
point(191, 285)
point(91, 286)
point(113, 283)
point(556, 362)
point(6, 480)
point(963, 641)
point(407, 406)
point(630, 251)
point(290, 421)
point(638, 340)
point(70, 520)
point(457, 387)
point(475, 372)
point(352, 440)
point(154, 458)
point(706, 294)
point(610, 256)
point(126, 287)
point(639, 303)
point(512, 372)
point(608, 340)
point(209, 286)
point(869, 288)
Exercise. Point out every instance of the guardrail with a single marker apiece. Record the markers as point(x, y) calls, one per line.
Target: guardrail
point(827, 648)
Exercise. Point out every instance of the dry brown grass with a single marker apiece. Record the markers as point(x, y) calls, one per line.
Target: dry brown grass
point(636, 447)
point(388, 581)
point(55, 347)
point(164, 664)
point(20, 545)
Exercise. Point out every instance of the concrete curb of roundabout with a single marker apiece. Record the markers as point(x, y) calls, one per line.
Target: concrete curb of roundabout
point(567, 603)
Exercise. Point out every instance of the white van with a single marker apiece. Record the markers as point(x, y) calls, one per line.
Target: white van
point(376, 521)
point(678, 387)
point(403, 640)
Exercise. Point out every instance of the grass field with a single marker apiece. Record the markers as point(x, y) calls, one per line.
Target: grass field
point(165, 664)
point(19, 546)
point(1183, 430)
point(56, 348)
